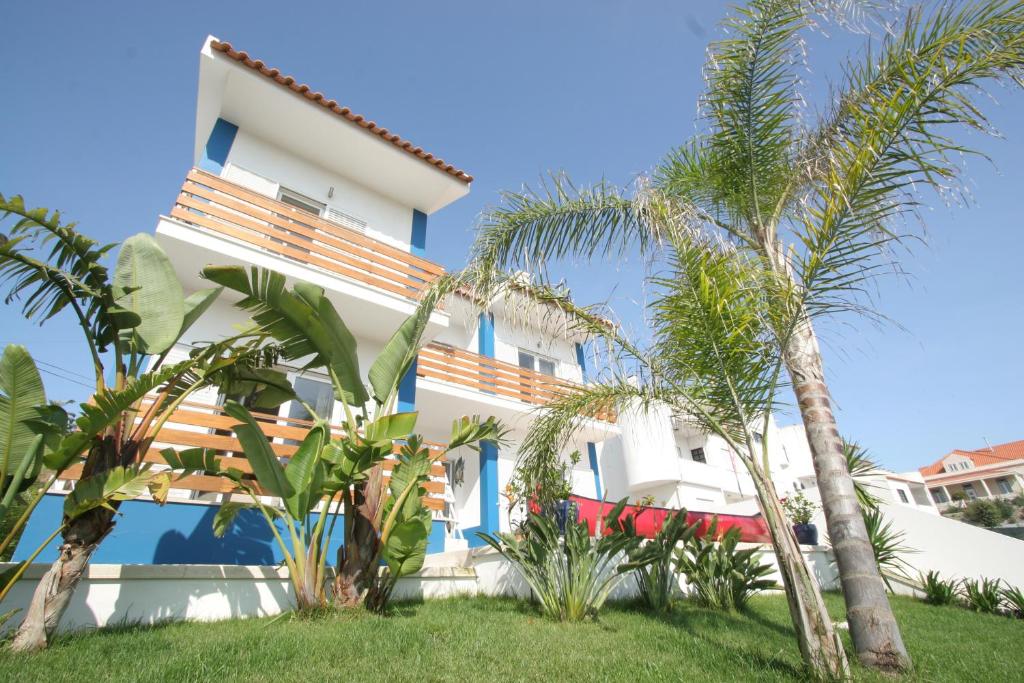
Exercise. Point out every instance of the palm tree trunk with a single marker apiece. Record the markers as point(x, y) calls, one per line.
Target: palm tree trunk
point(876, 635)
point(357, 557)
point(820, 647)
point(54, 591)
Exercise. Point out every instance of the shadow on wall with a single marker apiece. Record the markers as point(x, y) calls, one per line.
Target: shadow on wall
point(249, 541)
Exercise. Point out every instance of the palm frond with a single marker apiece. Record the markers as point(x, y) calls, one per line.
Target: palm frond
point(889, 138)
point(559, 220)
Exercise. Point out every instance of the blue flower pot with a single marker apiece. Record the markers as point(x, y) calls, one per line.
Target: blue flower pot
point(806, 534)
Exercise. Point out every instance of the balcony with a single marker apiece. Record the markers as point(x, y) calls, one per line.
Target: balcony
point(207, 426)
point(465, 382)
point(233, 211)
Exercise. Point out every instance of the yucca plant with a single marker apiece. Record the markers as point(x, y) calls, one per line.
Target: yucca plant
point(887, 544)
point(939, 591)
point(1014, 598)
point(654, 562)
point(571, 576)
point(718, 574)
point(983, 595)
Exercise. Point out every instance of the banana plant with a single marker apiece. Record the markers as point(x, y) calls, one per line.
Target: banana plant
point(130, 320)
point(381, 521)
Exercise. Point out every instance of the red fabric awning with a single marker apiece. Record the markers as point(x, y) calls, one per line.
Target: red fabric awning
point(649, 520)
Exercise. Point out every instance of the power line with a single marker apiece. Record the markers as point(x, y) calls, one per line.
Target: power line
point(65, 370)
point(67, 379)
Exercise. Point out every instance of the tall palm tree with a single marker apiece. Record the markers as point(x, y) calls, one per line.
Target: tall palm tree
point(715, 361)
point(819, 203)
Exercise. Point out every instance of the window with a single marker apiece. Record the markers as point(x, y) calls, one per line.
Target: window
point(903, 496)
point(317, 393)
point(299, 201)
point(698, 455)
point(1004, 486)
point(939, 496)
point(970, 492)
point(531, 361)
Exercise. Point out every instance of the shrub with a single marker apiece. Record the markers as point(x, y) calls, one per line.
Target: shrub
point(719, 575)
point(1014, 598)
point(887, 545)
point(653, 563)
point(939, 591)
point(983, 595)
point(984, 512)
point(799, 509)
point(571, 577)
point(1018, 500)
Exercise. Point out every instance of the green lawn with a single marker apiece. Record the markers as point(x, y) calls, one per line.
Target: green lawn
point(503, 640)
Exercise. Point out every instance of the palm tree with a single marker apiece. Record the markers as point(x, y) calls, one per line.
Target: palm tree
point(820, 205)
point(130, 320)
point(716, 361)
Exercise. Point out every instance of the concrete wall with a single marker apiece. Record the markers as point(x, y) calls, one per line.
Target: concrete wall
point(118, 593)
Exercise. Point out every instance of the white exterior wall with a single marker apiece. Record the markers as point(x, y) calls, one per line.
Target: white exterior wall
point(261, 166)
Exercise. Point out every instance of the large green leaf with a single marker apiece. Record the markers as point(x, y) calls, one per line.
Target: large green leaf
point(390, 427)
point(21, 393)
point(196, 304)
point(265, 465)
point(99, 490)
point(225, 517)
point(344, 360)
point(302, 469)
point(406, 547)
point(303, 322)
point(154, 293)
point(398, 355)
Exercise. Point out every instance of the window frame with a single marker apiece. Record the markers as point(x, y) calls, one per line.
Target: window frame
point(537, 358)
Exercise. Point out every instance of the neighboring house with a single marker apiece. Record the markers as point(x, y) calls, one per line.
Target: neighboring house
point(990, 472)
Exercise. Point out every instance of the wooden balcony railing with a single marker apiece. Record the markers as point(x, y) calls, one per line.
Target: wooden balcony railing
point(480, 373)
point(207, 426)
point(212, 203)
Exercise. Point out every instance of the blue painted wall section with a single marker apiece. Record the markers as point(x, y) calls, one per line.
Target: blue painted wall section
point(418, 240)
point(178, 533)
point(592, 455)
point(407, 390)
point(581, 358)
point(489, 508)
point(215, 154)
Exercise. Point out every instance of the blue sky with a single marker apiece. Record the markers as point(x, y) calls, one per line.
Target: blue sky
point(99, 113)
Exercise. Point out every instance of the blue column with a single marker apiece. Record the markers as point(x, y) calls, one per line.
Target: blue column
point(489, 508)
point(407, 390)
point(581, 358)
point(418, 239)
point(215, 154)
point(592, 454)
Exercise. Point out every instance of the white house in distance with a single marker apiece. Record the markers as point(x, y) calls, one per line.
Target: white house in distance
point(286, 179)
point(990, 472)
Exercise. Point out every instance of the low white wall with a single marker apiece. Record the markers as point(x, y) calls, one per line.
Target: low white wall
point(113, 594)
point(956, 549)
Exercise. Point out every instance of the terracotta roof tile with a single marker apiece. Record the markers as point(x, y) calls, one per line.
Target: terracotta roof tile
point(331, 105)
point(1014, 450)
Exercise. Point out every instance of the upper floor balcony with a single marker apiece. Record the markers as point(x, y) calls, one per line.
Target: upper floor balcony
point(216, 221)
point(455, 381)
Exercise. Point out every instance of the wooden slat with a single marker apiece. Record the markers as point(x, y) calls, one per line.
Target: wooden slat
point(221, 206)
point(341, 244)
point(265, 242)
point(464, 368)
point(262, 201)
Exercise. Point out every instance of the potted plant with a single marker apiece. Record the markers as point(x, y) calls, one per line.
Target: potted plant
point(801, 512)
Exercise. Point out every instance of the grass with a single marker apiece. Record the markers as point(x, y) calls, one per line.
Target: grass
point(496, 639)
